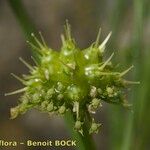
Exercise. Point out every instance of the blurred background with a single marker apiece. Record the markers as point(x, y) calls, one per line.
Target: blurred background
point(129, 21)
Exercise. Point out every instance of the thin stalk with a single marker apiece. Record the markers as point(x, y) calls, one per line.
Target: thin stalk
point(142, 121)
point(84, 142)
point(116, 117)
point(24, 20)
point(137, 44)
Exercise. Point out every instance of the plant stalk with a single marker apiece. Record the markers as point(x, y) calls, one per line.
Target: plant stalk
point(85, 141)
point(24, 21)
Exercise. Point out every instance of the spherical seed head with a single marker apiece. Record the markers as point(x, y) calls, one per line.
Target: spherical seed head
point(71, 79)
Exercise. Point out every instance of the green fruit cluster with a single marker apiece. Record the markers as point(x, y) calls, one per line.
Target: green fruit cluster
point(71, 79)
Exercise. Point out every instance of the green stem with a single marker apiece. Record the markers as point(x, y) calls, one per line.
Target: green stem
point(137, 46)
point(116, 114)
point(22, 17)
point(25, 22)
point(83, 142)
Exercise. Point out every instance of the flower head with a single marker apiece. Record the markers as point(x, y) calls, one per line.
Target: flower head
point(70, 79)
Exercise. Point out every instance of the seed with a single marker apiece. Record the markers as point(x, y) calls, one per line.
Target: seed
point(60, 96)
point(50, 93)
point(62, 109)
point(36, 98)
point(44, 104)
point(50, 107)
point(109, 90)
point(94, 128)
point(99, 90)
point(95, 102)
point(93, 92)
point(73, 93)
point(14, 112)
point(78, 125)
point(46, 74)
point(60, 86)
